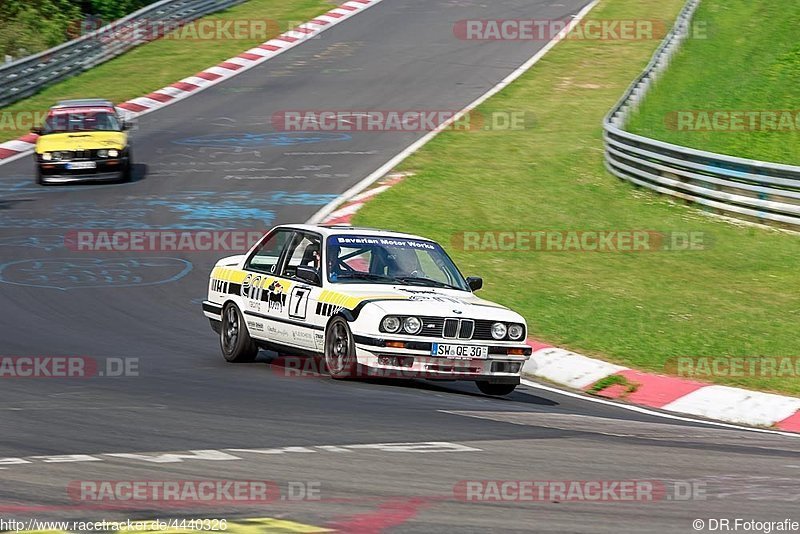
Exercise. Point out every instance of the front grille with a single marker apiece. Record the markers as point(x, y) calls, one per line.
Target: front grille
point(483, 330)
point(465, 329)
point(75, 155)
point(431, 326)
point(450, 328)
point(454, 328)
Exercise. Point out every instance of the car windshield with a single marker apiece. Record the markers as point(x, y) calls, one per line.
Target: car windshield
point(391, 260)
point(82, 121)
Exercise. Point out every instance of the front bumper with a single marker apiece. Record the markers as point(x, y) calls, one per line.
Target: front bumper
point(106, 169)
point(382, 360)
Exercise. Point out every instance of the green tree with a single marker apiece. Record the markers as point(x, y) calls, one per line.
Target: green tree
point(30, 26)
point(108, 10)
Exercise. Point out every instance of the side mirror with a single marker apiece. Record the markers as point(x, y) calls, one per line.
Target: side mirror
point(126, 125)
point(309, 274)
point(475, 282)
point(37, 130)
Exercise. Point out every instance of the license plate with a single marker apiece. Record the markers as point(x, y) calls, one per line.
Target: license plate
point(459, 352)
point(81, 165)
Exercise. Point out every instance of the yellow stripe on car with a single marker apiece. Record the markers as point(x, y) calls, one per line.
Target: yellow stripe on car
point(346, 301)
point(236, 276)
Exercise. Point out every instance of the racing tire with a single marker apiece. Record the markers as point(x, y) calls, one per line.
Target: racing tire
point(234, 339)
point(340, 355)
point(127, 173)
point(496, 390)
point(40, 178)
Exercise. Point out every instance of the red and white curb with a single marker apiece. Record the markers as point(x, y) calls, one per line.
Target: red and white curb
point(723, 403)
point(211, 76)
point(344, 213)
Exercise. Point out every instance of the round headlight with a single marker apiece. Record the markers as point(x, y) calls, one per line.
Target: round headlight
point(102, 153)
point(498, 330)
point(47, 156)
point(391, 324)
point(412, 325)
point(113, 153)
point(56, 155)
point(516, 331)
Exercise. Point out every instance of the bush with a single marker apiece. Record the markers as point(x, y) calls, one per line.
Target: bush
point(108, 10)
point(30, 26)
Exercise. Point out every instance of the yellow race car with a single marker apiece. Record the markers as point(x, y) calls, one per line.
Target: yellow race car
point(82, 140)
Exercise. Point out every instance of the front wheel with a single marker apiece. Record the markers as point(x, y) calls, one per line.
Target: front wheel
point(127, 172)
point(234, 339)
point(495, 389)
point(340, 349)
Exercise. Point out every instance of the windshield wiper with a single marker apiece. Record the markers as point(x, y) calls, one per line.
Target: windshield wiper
point(363, 276)
point(425, 281)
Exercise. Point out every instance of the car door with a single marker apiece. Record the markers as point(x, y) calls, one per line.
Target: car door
point(305, 248)
point(263, 291)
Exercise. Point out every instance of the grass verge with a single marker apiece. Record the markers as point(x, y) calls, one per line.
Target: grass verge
point(749, 61)
point(736, 297)
point(155, 65)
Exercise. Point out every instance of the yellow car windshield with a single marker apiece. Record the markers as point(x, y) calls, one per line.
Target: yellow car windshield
point(101, 121)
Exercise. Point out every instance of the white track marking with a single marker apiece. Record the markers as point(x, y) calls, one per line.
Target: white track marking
point(647, 411)
point(389, 165)
point(215, 455)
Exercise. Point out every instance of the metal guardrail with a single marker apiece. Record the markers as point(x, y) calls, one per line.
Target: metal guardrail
point(28, 75)
point(757, 191)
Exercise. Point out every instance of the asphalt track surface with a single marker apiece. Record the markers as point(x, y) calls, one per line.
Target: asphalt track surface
point(214, 161)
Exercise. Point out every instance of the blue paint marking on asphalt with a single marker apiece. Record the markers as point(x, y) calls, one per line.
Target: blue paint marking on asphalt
point(27, 186)
point(85, 273)
point(14, 186)
point(83, 215)
point(210, 209)
point(195, 210)
point(44, 242)
point(254, 140)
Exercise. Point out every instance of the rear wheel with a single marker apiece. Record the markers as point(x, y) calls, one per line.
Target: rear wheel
point(234, 339)
point(340, 349)
point(495, 389)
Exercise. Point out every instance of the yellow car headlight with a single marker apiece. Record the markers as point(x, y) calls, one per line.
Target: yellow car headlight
point(113, 153)
point(47, 156)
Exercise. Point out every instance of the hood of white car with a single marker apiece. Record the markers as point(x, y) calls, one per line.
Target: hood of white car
point(425, 301)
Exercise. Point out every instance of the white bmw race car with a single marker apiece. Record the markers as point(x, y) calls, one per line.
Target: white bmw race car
point(369, 303)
